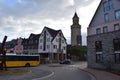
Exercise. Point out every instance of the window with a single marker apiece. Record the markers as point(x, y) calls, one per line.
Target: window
point(40, 47)
point(99, 58)
point(48, 46)
point(60, 34)
point(55, 46)
point(78, 39)
point(116, 27)
point(117, 14)
point(110, 4)
point(106, 17)
point(48, 39)
point(40, 40)
point(62, 41)
point(64, 48)
point(41, 34)
point(98, 46)
point(98, 31)
point(105, 6)
point(36, 41)
point(117, 58)
point(57, 40)
point(116, 43)
point(105, 29)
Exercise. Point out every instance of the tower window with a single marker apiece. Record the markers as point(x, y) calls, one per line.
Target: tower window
point(78, 39)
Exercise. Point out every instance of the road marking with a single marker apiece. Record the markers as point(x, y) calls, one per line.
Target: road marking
point(44, 76)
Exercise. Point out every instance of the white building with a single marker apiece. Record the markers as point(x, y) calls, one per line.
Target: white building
point(52, 44)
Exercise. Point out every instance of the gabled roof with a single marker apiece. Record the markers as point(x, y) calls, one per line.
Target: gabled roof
point(52, 32)
point(96, 12)
point(34, 35)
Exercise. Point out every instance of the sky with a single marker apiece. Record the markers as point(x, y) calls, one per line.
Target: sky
point(20, 18)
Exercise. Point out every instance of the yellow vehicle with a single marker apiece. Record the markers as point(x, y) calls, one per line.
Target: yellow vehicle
point(14, 60)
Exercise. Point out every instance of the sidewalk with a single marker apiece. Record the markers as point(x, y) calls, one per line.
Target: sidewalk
point(99, 75)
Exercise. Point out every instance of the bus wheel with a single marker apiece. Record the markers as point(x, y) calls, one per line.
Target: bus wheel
point(27, 65)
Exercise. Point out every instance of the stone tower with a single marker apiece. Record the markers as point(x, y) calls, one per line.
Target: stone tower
point(76, 39)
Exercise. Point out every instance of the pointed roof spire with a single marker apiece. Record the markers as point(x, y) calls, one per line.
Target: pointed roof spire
point(75, 15)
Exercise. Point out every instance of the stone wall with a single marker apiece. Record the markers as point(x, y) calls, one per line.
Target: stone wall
point(107, 49)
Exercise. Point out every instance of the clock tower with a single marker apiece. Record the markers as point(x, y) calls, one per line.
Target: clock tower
point(76, 38)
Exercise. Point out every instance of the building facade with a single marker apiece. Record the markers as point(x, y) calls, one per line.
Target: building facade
point(52, 44)
point(49, 43)
point(19, 47)
point(23, 45)
point(103, 40)
point(31, 44)
point(76, 38)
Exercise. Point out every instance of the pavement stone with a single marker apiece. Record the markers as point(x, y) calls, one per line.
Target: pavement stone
point(99, 74)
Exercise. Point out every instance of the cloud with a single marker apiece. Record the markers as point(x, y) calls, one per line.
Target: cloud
point(19, 18)
point(83, 3)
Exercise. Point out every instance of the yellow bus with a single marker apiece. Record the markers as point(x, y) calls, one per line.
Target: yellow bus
point(14, 60)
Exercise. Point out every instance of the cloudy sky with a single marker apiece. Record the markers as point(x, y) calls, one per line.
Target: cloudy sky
point(19, 18)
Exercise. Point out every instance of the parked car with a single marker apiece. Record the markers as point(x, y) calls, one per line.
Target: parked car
point(66, 61)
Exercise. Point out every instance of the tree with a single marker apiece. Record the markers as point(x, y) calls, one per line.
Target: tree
point(79, 51)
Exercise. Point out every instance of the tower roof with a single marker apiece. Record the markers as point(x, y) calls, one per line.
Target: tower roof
point(75, 15)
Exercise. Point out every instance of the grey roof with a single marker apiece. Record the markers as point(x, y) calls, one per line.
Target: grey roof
point(34, 36)
point(53, 32)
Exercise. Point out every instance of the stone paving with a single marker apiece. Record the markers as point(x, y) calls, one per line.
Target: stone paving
point(99, 74)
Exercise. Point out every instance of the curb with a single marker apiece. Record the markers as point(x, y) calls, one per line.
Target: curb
point(93, 77)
